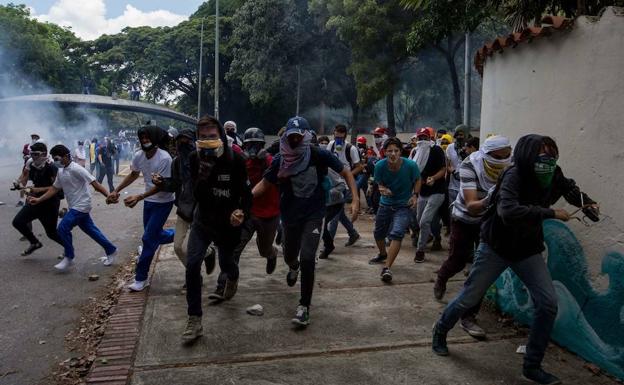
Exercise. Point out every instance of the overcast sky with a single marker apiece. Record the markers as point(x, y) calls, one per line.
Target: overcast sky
point(92, 18)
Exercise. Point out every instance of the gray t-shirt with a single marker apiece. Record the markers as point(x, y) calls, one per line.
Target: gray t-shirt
point(468, 180)
point(74, 180)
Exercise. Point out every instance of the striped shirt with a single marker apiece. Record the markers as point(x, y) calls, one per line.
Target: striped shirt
point(468, 180)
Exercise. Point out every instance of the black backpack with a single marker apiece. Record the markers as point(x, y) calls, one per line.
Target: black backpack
point(347, 153)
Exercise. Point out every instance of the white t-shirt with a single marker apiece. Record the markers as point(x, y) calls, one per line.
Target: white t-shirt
point(355, 154)
point(80, 153)
point(160, 164)
point(74, 180)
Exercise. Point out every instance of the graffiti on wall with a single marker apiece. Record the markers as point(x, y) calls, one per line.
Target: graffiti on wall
point(589, 323)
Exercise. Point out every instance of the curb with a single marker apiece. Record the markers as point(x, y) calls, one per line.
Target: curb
point(116, 352)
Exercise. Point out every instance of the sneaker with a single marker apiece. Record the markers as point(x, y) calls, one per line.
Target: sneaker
point(386, 275)
point(437, 244)
point(439, 289)
point(217, 295)
point(209, 260)
point(326, 251)
point(109, 259)
point(194, 329)
point(64, 265)
point(419, 257)
point(230, 289)
point(271, 263)
point(538, 375)
point(302, 316)
point(31, 248)
point(378, 259)
point(19, 204)
point(291, 277)
point(352, 239)
point(438, 343)
point(471, 327)
point(138, 285)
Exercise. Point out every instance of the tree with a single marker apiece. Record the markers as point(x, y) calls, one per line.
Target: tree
point(375, 33)
point(521, 13)
point(442, 24)
point(35, 55)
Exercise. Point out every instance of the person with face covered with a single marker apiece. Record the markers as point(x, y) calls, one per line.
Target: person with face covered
point(300, 171)
point(42, 172)
point(478, 176)
point(432, 165)
point(350, 157)
point(149, 161)
point(456, 154)
point(223, 198)
point(399, 183)
point(264, 218)
point(74, 181)
point(181, 184)
point(230, 130)
point(512, 237)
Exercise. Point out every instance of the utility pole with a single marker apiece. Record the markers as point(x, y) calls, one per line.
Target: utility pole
point(199, 81)
point(298, 88)
point(216, 91)
point(467, 65)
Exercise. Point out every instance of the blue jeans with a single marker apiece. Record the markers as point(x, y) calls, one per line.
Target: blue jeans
point(75, 218)
point(343, 219)
point(154, 218)
point(391, 222)
point(532, 271)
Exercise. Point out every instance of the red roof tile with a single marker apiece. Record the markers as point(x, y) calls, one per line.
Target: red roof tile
point(551, 24)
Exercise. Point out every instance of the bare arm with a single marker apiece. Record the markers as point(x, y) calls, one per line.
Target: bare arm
point(357, 169)
point(23, 178)
point(355, 203)
point(49, 194)
point(260, 188)
point(99, 188)
point(127, 181)
point(473, 203)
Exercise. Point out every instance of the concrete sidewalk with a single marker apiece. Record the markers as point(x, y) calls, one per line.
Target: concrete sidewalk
point(362, 331)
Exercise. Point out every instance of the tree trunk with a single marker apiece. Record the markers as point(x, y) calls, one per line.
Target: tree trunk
point(354, 121)
point(322, 118)
point(581, 8)
point(390, 112)
point(455, 82)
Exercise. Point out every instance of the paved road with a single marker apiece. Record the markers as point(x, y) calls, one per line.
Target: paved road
point(39, 306)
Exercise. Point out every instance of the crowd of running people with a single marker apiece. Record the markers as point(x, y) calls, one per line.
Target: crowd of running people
point(488, 198)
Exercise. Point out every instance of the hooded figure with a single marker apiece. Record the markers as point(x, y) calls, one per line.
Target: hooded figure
point(513, 224)
point(512, 237)
point(158, 137)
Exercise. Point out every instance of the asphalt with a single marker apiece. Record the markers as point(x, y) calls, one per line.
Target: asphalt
point(38, 306)
point(362, 331)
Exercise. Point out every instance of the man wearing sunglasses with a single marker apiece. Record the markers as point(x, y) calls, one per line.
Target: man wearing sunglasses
point(42, 172)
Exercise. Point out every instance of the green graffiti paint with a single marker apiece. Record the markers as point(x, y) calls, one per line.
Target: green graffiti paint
point(590, 323)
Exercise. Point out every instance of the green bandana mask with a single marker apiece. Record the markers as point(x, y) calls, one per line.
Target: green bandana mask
point(545, 170)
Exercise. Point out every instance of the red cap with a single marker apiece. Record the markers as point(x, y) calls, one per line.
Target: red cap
point(424, 131)
point(361, 140)
point(379, 131)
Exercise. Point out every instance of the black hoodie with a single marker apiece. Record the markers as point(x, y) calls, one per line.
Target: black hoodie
point(224, 190)
point(513, 224)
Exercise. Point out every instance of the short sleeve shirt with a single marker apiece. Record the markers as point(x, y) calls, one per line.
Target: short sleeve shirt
point(400, 182)
point(342, 155)
point(74, 180)
point(302, 196)
point(160, 164)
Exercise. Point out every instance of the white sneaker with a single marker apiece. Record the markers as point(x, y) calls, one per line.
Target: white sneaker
point(65, 264)
point(138, 285)
point(108, 260)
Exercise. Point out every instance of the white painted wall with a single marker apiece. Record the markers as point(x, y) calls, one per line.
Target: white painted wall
point(570, 86)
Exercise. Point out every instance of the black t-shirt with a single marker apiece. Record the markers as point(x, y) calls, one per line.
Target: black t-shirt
point(436, 161)
point(302, 196)
point(44, 177)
